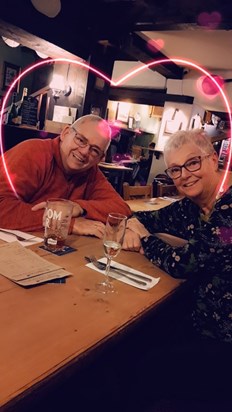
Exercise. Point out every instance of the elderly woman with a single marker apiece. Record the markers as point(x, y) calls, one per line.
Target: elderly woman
point(203, 220)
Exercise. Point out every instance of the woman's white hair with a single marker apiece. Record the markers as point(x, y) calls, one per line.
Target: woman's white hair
point(196, 136)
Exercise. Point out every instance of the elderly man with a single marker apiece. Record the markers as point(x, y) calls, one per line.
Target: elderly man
point(64, 167)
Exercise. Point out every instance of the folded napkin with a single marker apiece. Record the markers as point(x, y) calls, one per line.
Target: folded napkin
point(170, 198)
point(11, 238)
point(152, 201)
point(149, 283)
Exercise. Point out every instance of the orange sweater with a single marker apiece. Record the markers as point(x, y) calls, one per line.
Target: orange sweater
point(37, 173)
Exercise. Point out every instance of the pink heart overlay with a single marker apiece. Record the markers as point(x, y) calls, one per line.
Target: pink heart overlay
point(208, 87)
point(116, 83)
point(209, 20)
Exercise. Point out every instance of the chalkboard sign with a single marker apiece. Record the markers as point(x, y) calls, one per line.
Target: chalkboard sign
point(29, 111)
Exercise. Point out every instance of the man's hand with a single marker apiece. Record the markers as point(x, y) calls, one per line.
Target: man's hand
point(77, 209)
point(88, 227)
point(41, 205)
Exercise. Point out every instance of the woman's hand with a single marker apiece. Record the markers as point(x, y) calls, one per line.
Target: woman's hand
point(134, 232)
point(86, 227)
point(131, 241)
point(137, 227)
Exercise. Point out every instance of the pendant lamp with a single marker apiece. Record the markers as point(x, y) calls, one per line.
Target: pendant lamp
point(49, 8)
point(10, 42)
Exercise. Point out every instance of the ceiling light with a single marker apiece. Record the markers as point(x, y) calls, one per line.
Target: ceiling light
point(41, 55)
point(10, 42)
point(58, 87)
point(48, 7)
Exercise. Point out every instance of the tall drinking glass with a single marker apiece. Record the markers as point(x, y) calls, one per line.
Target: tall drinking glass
point(112, 242)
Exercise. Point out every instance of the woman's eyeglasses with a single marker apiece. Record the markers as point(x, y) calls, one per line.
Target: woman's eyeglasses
point(192, 165)
point(81, 141)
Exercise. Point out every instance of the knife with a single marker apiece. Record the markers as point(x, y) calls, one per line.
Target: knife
point(122, 271)
point(129, 273)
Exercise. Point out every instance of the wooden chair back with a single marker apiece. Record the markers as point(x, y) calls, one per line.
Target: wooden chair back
point(166, 190)
point(134, 192)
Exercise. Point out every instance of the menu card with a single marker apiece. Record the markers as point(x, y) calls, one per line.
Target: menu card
point(25, 267)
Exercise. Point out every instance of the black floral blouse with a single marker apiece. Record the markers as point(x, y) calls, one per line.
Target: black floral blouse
point(207, 255)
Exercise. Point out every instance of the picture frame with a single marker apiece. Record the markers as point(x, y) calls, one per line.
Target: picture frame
point(122, 113)
point(10, 73)
point(99, 83)
point(130, 122)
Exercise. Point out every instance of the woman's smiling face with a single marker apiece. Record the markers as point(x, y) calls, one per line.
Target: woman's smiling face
point(198, 183)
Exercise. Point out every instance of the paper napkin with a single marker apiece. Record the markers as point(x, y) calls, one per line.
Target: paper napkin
point(11, 238)
point(149, 283)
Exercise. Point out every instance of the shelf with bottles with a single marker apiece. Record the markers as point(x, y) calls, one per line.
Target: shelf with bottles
point(16, 110)
point(134, 116)
point(13, 112)
point(216, 125)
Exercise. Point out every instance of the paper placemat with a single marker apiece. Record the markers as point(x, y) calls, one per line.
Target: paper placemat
point(150, 283)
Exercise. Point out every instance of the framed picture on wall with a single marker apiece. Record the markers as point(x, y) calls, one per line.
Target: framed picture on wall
point(122, 112)
point(10, 73)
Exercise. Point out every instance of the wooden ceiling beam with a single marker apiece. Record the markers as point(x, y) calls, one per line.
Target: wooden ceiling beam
point(34, 42)
point(136, 46)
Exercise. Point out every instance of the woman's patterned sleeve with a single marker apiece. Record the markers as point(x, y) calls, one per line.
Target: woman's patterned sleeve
point(168, 219)
point(209, 247)
point(198, 255)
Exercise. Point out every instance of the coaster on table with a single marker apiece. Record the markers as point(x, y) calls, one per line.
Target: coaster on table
point(66, 249)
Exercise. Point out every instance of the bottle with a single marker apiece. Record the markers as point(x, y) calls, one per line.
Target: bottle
point(13, 113)
point(19, 119)
point(156, 188)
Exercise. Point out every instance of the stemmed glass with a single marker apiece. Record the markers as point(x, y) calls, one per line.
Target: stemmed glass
point(112, 242)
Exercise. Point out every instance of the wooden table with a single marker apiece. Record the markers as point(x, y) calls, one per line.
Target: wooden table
point(147, 204)
point(48, 329)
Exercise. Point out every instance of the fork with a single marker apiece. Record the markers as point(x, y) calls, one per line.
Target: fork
point(20, 238)
point(102, 266)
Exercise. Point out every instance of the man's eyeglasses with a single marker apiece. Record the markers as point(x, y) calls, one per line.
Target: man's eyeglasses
point(192, 165)
point(81, 141)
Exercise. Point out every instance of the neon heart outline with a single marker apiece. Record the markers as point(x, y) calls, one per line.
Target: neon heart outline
point(117, 83)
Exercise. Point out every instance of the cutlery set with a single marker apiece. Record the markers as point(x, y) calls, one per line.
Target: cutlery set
point(20, 238)
point(134, 277)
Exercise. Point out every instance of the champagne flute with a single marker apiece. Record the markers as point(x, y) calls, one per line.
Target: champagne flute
point(112, 242)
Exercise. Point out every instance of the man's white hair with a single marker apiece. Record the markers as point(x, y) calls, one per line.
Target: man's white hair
point(104, 127)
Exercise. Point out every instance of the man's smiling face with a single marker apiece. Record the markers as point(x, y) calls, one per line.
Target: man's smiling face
point(84, 144)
